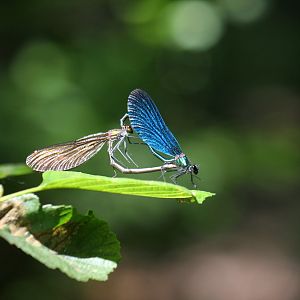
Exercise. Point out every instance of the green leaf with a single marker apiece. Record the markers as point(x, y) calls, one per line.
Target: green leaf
point(14, 170)
point(83, 247)
point(78, 180)
point(56, 179)
point(157, 189)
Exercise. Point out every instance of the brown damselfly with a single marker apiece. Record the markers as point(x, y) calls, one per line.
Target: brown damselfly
point(71, 154)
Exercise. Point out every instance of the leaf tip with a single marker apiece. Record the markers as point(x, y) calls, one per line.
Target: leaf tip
point(200, 196)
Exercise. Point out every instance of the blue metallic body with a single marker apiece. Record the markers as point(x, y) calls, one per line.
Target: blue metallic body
point(147, 122)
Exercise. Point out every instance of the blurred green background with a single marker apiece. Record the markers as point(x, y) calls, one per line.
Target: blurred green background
point(225, 76)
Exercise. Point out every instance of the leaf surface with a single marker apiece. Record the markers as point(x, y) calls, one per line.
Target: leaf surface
point(81, 246)
point(127, 186)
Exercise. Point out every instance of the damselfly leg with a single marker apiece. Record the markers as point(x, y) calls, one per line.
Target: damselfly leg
point(182, 172)
point(125, 154)
point(116, 165)
point(122, 120)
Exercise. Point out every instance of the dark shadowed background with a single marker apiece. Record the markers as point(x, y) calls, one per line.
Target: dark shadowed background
point(225, 76)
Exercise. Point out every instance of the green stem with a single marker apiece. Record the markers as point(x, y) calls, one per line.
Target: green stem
point(23, 192)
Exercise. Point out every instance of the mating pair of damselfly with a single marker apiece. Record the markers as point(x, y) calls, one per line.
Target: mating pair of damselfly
point(145, 120)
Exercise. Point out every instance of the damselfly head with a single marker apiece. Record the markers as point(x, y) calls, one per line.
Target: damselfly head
point(128, 128)
point(193, 169)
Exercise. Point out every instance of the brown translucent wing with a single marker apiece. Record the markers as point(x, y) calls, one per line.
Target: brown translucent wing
point(67, 155)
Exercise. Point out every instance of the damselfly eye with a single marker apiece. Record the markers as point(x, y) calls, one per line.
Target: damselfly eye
point(195, 169)
point(129, 129)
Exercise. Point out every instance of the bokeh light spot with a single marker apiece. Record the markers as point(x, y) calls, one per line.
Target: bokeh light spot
point(194, 25)
point(244, 11)
point(139, 12)
point(41, 70)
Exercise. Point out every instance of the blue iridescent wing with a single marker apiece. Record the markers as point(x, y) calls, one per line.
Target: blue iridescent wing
point(146, 120)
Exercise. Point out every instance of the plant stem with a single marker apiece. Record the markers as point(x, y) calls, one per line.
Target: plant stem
point(23, 192)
